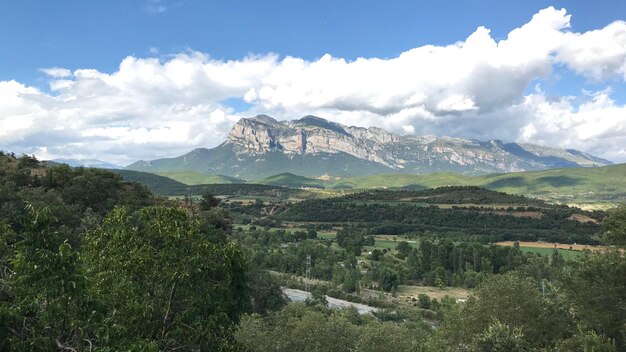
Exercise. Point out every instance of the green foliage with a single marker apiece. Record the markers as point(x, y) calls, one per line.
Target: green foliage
point(351, 239)
point(297, 328)
point(398, 212)
point(512, 301)
point(388, 279)
point(208, 201)
point(42, 289)
point(596, 286)
point(424, 301)
point(404, 247)
point(585, 342)
point(265, 292)
point(161, 281)
point(500, 338)
point(614, 226)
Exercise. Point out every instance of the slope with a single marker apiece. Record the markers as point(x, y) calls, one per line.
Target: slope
point(196, 178)
point(290, 180)
point(606, 184)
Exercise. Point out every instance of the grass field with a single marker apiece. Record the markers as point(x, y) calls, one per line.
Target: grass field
point(573, 247)
point(568, 251)
point(408, 292)
point(546, 252)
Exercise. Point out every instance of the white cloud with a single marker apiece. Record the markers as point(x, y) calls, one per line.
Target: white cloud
point(152, 107)
point(56, 72)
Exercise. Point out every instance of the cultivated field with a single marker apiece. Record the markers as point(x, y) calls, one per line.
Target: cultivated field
point(570, 247)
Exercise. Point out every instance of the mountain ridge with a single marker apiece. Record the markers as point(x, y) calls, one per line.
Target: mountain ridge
point(311, 146)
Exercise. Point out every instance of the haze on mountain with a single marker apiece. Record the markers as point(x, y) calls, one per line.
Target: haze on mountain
point(311, 146)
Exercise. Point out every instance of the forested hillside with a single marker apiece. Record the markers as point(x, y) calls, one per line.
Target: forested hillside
point(90, 262)
point(467, 210)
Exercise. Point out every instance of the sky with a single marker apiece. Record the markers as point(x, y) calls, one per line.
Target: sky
point(123, 80)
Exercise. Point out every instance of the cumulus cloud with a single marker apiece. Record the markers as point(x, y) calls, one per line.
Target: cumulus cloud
point(476, 88)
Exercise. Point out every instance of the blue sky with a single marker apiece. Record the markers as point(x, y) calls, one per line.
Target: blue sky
point(537, 100)
point(99, 34)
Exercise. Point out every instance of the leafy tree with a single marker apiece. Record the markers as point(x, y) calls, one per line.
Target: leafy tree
point(161, 283)
point(423, 301)
point(42, 288)
point(388, 337)
point(513, 301)
point(376, 255)
point(583, 341)
point(265, 293)
point(404, 247)
point(388, 279)
point(208, 201)
point(596, 286)
point(500, 338)
point(614, 226)
point(351, 239)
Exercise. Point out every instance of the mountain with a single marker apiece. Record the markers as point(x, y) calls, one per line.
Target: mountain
point(311, 146)
point(88, 163)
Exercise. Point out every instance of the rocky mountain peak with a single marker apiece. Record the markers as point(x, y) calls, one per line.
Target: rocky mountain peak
point(311, 146)
point(313, 135)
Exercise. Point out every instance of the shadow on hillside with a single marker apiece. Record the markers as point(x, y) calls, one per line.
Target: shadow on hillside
point(508, 182)
point(559, 181)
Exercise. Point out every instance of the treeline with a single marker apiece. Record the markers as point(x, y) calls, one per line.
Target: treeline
point(445, 195)
point(552, 225)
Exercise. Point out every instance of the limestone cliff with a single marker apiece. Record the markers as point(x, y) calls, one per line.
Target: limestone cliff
point(313, 135)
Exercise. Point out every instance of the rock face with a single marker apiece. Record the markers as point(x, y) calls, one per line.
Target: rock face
point(314, 135)
point(311, 146)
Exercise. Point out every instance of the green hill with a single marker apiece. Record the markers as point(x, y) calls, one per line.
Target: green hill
point(196, 178)
point(290, 180)
point(604, 184)
point(156, 184)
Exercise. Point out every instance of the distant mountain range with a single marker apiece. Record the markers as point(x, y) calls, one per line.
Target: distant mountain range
point(261, 146)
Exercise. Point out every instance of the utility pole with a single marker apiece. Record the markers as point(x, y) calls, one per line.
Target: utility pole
point(307, 279)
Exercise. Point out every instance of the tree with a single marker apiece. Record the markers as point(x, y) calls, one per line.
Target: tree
point(585, 341)
point(404, 247)
point(614, 226)
point(376, 255)
point(265, 292)
point(42, 288)
point(500, 337)
point(513, 301)
point(596, 286)
point(388, 279)
point(208, 201)
point(350, 239)
point(423, 301)
point(163, 284)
